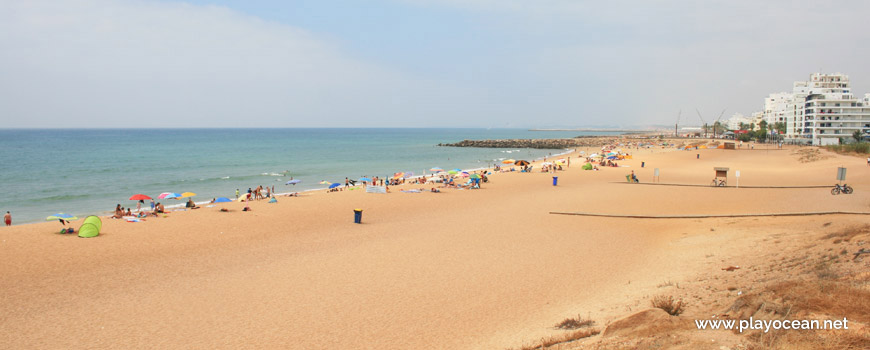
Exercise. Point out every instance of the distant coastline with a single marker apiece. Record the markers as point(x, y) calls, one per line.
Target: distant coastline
point(626, 131)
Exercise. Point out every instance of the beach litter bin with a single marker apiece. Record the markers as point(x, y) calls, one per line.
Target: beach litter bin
point(555, 180)
point(357, 216)
point(642, 164)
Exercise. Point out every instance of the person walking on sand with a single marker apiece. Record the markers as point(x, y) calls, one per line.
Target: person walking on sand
point(8, 218)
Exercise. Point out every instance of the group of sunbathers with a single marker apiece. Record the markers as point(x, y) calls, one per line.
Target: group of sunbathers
point(120, 212)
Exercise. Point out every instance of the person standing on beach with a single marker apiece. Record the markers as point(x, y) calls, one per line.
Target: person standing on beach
point(346, 182)
point(8, 218)
point(237, 193)
point(152, 204)
point(139, 205)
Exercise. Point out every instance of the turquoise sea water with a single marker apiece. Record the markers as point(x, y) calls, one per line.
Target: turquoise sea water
point(83, 172)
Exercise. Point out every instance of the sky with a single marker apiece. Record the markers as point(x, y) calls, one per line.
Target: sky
point(413, 63)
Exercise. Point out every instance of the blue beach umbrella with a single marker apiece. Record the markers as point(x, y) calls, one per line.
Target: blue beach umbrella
point(364, 179)
point(61, 216)
point(293, 182)
point(457, 170)
point(222, 200)
point(611, 157)
point(334, 185)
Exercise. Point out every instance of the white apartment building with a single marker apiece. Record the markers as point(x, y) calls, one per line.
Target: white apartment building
point(831, 111)
point(776, 107)
point(821, 110)
point(733, 123)
point(756, 118)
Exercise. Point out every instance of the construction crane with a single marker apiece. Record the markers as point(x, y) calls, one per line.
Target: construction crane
point(717, 121)
point(702, 122)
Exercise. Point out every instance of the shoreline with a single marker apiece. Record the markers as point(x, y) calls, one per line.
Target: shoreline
point(181, 205)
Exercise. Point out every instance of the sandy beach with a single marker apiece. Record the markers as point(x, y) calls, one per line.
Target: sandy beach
point(460, 269)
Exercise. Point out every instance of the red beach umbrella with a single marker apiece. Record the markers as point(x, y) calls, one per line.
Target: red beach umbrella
point(137, 197)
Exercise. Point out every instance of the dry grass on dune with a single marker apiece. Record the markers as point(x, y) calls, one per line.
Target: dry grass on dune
point(575, 323)
point(562, 339)
point(672, 306)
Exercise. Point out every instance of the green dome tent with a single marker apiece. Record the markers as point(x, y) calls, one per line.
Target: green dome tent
point(91, 227)
point(587, 166)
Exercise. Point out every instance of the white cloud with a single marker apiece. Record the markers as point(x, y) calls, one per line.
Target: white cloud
point(640, 61)
point(102, 63)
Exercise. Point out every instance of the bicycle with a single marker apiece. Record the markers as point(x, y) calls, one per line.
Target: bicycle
point(844, 189)
point(718, 183)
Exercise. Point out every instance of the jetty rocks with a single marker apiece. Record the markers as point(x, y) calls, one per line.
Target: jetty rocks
point(584, 141)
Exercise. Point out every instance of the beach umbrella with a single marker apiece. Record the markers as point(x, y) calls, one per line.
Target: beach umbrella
point(611, 157)
point(436, 169)
point(334, 185)
point(522, 162)
point(398, 175)
point(222, 200)
point(593, 155)
point(168, 195)
point(138, 197)
point(364, 179)
point(293, 182)
point(187, 194)
point(508, 161)
point(475, 176)
point(453, 172)
point(408, 174)
point(463, 174)
point(546, 163)
point(324, 182)
point(61, 216)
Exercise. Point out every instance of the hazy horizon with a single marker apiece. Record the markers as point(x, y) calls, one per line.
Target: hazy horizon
point(412, 63)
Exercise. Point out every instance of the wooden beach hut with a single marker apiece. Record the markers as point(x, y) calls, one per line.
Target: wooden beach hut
point(721, 178)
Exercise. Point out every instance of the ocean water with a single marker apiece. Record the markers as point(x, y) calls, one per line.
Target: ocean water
point(85, 172)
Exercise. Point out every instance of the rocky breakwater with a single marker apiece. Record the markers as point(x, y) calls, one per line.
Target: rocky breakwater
point(535, 143)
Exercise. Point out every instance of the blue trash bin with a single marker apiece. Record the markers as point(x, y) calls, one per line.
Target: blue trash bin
point(642, 164)
point(555, 180)
point(357, 216)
